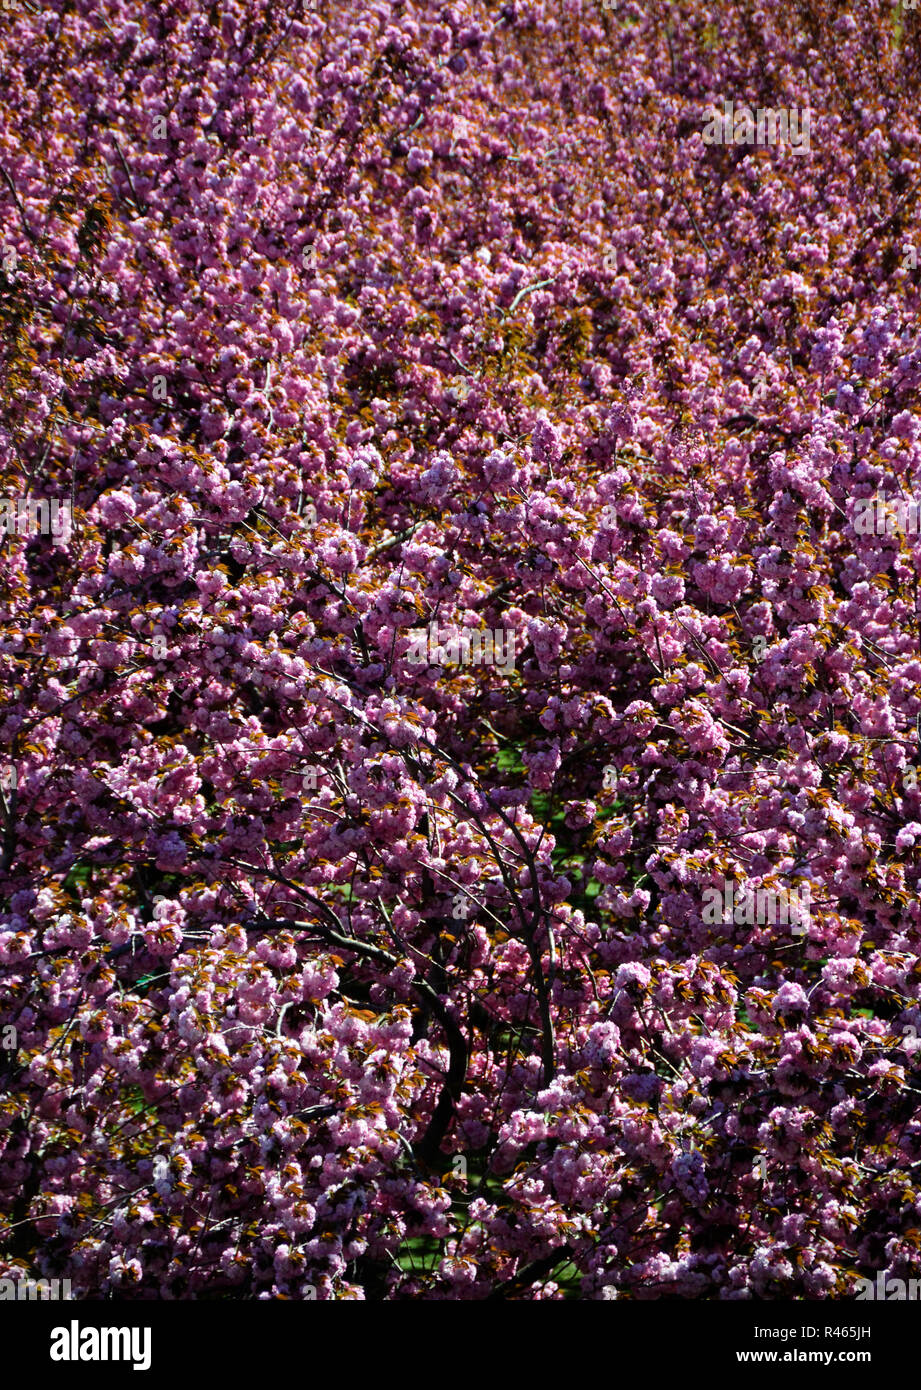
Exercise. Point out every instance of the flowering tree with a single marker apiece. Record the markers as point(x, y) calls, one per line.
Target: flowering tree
point(462, 583)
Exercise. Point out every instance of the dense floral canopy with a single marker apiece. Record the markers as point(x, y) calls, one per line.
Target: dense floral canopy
point(331, 966)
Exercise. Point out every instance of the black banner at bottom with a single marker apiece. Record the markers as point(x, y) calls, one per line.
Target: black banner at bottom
point(67, 1340)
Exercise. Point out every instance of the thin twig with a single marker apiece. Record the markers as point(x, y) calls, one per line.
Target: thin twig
point(22, 212)
point(528, 289)
point(137, 203)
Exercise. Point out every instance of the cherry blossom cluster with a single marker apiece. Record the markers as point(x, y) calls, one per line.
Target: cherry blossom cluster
point(335, 962)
